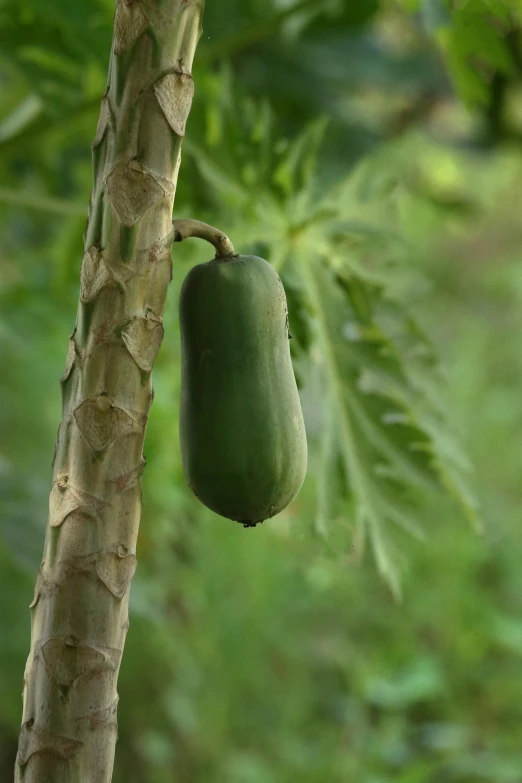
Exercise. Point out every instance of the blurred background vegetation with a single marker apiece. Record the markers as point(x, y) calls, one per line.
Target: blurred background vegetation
point(372, 152)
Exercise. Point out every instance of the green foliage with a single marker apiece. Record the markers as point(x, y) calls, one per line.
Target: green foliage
point(329, 141)
point(477, 38)
point(388, 429)
point(474, 48)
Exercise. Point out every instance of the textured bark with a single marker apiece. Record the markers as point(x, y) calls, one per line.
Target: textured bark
point(79, 615)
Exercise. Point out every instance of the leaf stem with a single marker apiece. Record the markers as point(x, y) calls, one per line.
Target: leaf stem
point(22, 198)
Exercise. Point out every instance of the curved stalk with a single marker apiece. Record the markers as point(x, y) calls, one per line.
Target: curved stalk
point(79, 614)
point(187, 228)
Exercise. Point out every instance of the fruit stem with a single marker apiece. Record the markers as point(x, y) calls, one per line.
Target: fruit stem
point(186, 228)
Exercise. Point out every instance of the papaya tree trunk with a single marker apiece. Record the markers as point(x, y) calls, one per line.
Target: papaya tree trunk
point(79, 614)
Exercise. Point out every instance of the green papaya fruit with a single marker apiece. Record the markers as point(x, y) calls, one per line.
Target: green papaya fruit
point(241, 428)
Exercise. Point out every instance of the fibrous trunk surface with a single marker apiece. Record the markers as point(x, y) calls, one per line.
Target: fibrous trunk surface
point(79, 614)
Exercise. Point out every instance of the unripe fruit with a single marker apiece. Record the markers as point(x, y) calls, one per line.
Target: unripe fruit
point(241, 428)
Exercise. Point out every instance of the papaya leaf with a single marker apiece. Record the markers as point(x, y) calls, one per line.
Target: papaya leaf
point(384, 451)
